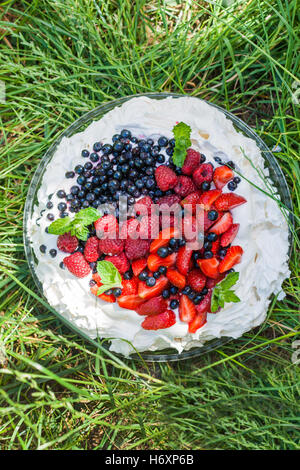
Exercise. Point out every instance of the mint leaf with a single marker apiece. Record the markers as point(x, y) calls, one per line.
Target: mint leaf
point(60, 226)
point(110, 276)
point(182, 133)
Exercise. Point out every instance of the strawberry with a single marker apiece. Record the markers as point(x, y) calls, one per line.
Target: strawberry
point(209, 267)
point(111, 246)
point(187, 309)
point(184, 260)
point(165, 178)
point(209, 197)
point(176, 278)
point(119, 261)
point(210, 282)
point(131, 301)
point(196, 280)
point(228, 201)
point(191, 200)
point(67, 243)
point(165, 202)
point(222, 224)
point(191, 162)
point(199, 320)
point(146, 292)
point(184, 186)
point(203, 173)
point(204, 305)
point(107, 226)
point(222, 175)
point(91, 249)
point(135, 249)
point(77, 265)
point(138, 265)
point(163, 238)
point(153, 306)
point(159, 321)
point(143, 205)
point(230, 234)
point(154, 261)
point(232, 257)
point(130, 286)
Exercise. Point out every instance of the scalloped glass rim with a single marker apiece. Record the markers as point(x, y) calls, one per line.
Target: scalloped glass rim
point(80, 124)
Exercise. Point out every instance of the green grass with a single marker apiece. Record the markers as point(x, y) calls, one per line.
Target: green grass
point(60, 59)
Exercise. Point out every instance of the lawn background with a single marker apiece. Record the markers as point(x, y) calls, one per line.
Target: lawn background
point(60, 59)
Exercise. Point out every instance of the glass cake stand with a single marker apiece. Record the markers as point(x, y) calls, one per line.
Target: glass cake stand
point(79, 125)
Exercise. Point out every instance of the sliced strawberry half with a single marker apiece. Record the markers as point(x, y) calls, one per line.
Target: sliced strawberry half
point(154, 261)
point(232, 257)
point(228, 201)
point(209, 267)
point(184, 260)
point(199, 320)
point(130, 302)
point(163, 238)
point(153, 306)
point(146, 292)
point(230, 234)
point(222, 224)
point(176, 278)
point(138, 265)
point(187, 309)
point(209, 197)
point(222, 175)
point(160, 321)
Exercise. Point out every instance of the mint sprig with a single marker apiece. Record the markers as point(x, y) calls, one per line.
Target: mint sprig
point(182, 133)
point(110, 276)
point(76, 226)
point(222, 293)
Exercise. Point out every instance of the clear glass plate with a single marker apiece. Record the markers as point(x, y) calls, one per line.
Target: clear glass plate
point(78, 126)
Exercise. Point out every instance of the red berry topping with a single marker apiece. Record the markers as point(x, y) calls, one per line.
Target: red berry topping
point(77, 265)
point(135, 249)
point(91, 249)
point(230, 234)
point(222, 224)
point(176, 278)
point(159, 321)
point(111, 246)
point(232, 257)
point(165, 178)
point(222, 175)
point(185, 186)
point(119, 261)
point(209, 267)
point(203, 173)
point(196, 280)
point(187, 309)
point(67, 243)
point(191, 162)
point(228, 201)
point(153, 306)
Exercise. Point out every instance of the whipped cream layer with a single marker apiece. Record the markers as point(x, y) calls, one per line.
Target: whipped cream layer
point(263, 233)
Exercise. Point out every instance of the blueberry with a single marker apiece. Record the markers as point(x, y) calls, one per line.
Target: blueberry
point(49, 205)
point(212, 237)
point(237, 179)
point(162, 141)
point(163, 252)
point(61, 194)
point(50, 217)
point(212, 215)
point(53, 252)
point(165, 293)
point(128, 275)
point(43, 248)
point(208, 254)
point(126, 134)
point(232, 186)
point(62, 206)
point(174, 304)
point(150, 281)
point(143, 276)
point(85, 153)
point(70, 174)
point(160, 158)
point(205, 186)
point(162, 269)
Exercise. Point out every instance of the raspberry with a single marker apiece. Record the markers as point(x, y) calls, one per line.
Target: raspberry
point(185, 186)
point(192, 161)
point(77, 265)
point(111, 246)
point(120, 262)
point(196, 280)
point(91, 249)
point(135, 249)
point(67, 243)
point(203, 173)
point(165, 178)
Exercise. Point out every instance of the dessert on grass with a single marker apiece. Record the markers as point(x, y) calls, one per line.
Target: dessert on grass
point(153, 236)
